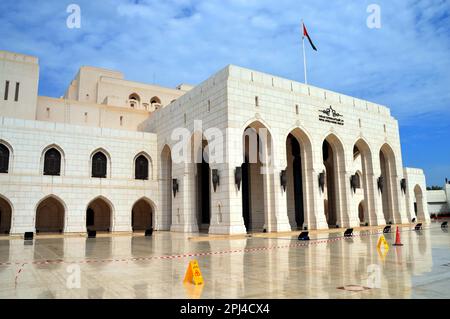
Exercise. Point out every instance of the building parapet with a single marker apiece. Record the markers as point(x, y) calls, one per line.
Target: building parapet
point(74, 129)
point(18, 57)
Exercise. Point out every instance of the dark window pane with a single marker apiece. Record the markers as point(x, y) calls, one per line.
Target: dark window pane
point(4, 159)
point(52, 162)
point(99, 165)
point(6, 89)
point(16, 95)
point(141, 167)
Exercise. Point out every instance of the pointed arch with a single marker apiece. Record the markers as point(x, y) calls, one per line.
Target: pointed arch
point(299, 191)
point(165, 164)
point(100, 163)
point(6, 157)
point(419, 203)
point(333, 155)
point(143, 166)
point(50, 214)
point(200, 178)
point(388, 168)
point(155, 100)
point(53, 159)
point(257, 146)
point(361, 146)
point(142, 214)
point(100, 214)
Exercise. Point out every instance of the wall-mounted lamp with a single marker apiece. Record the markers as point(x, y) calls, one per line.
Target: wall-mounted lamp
point(380, 183)
point(215, 178)
point(238, 177)
point(403, 185)
point(175, 187)
point(283, 179)
point(322, 180)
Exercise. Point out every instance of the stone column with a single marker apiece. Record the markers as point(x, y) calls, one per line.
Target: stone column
point(183, 209)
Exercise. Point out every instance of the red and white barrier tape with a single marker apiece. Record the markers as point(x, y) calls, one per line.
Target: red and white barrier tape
point(195, 254)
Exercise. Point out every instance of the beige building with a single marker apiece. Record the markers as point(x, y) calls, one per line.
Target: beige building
point(117, 155)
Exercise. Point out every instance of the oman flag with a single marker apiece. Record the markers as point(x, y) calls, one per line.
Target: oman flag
point(305, 34)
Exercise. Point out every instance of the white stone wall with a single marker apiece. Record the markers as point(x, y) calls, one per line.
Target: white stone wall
point(231, 94)
point(25, 186)
point(231, 100)
point(22, 69)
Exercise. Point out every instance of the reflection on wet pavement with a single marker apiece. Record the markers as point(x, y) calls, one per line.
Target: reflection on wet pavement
point(328, 266)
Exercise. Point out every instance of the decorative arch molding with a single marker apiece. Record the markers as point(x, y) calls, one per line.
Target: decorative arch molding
point(60, 201)
point(61, 152)
point(302, 135)
point(148, 200)
point(151, 174)
point(134, 100)
point(152, 205)
point(335, 139)
point(419, 204)
point(8, 212)
point(261, 122)
point(270, 143)
point(108, 161)
point(388, 169)
point(164, 216)
point(339, 211)
point(11, 155)
point(110, 206)
point(155, 100)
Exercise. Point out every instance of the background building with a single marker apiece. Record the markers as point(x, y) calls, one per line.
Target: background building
point(439, 200)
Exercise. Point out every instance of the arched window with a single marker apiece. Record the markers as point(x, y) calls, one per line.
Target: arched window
point(155, 100)
point(141, 167)
point(4, 159)
point(134, 100)
point(52, 162)
point(99, 165)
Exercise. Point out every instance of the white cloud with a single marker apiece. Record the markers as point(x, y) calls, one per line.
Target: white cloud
point(404, 64)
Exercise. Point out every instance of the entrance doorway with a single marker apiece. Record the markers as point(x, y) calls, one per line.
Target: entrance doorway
point(5, 216)
point(98, 215)
point(141, 215)
point(50, 216)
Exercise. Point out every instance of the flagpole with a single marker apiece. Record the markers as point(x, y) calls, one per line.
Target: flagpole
point(304, 55)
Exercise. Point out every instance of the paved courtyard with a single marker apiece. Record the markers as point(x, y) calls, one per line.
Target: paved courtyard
point(260, 266)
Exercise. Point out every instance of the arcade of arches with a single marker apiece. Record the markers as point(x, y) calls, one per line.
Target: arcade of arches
point(257, 188)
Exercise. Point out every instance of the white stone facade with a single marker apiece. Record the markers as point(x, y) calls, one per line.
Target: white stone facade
point(102, 111)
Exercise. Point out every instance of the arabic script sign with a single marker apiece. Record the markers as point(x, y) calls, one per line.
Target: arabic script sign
point(331, 116)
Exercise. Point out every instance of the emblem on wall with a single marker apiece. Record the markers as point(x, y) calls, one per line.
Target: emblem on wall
point(330, 115)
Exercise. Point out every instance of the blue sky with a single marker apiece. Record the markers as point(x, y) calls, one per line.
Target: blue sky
point(405, 64)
